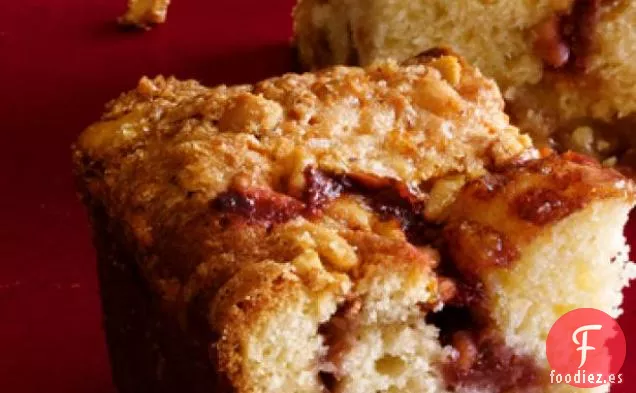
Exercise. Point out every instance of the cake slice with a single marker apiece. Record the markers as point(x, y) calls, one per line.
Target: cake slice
point(379, 229)
point(565, 67)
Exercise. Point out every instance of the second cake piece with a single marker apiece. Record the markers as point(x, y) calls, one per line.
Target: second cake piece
point(566, 67)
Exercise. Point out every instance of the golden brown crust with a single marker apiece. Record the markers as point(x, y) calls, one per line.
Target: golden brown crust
point(496, 215)
point(165, 151)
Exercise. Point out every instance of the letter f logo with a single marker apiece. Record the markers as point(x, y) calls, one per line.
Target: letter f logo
point(583, 343)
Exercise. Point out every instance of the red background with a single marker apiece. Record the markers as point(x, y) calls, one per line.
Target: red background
point(60, 61)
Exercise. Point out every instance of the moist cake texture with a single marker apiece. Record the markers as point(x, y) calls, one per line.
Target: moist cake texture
point(566, 67)
point(379, 229)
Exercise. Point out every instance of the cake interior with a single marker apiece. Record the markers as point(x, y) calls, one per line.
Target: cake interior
point(425, 324)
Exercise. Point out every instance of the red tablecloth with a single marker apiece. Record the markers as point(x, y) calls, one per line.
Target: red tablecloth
point(60, 61)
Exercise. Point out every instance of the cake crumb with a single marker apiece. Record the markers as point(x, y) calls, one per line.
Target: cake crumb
point(145, 13)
